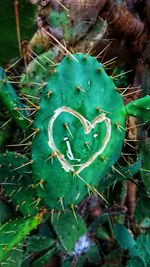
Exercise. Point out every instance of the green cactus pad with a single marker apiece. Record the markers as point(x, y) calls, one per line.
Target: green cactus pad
point(139, 108)
point(81, 124)
point(38, 72)
point(17, 182)
point(80, 111)
point(12, 101)
point(69, 228)
point(14, 258)
point(123, 236)
point(60, 20)
point(14, 232)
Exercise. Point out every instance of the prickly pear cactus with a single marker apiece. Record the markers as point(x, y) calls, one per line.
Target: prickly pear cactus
point(81, 128)
point(18, 185)
point(78, 134)
point(14, 232)
point(38, 71)
point(12, 101)
point(80, 117)
point(123, 237)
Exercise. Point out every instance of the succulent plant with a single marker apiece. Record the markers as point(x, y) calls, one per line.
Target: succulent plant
point(76, 139)
point(14, 232)
point(70, 131)
point(35, 77)
point(12, 102)
point(80, 117)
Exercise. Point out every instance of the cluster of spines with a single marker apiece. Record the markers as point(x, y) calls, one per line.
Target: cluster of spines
point(17, 184)
point(12, 233)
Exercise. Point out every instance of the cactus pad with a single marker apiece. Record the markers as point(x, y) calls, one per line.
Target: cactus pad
point(14, 232)
point(17, 182)
point(81, 131)
point(140, 108)
point(123, 236)
point(68, 231)
point(38, 71)
point(12, 101)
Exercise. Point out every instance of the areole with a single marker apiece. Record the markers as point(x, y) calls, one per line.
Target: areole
point(87, 126)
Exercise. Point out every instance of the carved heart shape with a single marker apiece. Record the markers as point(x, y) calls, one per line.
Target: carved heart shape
point(87, 126)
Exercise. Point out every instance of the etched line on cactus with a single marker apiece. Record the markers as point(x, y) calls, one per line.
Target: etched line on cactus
point(69, 152)
point(87, 126)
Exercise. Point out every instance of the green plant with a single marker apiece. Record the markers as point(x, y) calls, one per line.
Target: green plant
point(78, 125)
point(12, 102)
point(76, 139)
